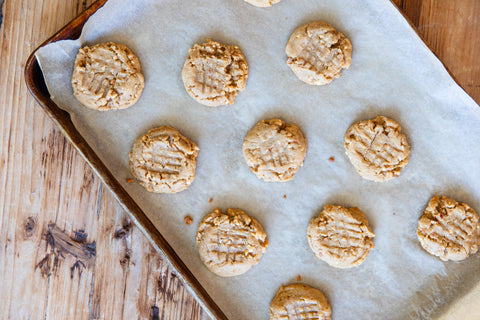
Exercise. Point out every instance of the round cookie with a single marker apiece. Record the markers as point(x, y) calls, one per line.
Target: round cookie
point(449, 229)
point(107, 76)
point(317, 53)
point(340, 236)
point(163, 160)
point(300, 302)
point(377, 148)
point(214, 73)
point(230, 243)
point(262, 3)
point(274, 150)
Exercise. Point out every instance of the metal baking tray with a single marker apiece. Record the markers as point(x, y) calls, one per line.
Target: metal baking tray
point(36, 84)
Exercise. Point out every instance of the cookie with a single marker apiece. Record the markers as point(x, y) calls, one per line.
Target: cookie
point(449, 229)
point(230, 243)
point(317, 53)
point(300, 302)
point(262, 3)
point(274, 150)
point(163, 160)
point(214, 73)
point(340, 236)
point(107, 76)
point(377, 148)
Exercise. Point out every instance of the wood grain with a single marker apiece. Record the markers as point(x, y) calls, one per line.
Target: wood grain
point(451, 29)
point(67, 249)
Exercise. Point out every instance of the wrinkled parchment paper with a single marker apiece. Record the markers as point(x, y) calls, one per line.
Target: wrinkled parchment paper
point(392, 73)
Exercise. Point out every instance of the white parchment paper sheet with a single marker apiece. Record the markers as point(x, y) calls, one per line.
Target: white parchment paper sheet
point(392, 73)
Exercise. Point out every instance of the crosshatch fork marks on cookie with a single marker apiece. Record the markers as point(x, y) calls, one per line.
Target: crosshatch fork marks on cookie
point(230, 246)
point(389, 153)
point(163, 159)
point(276, 156)
point(301, 310)
point(342, 235)
point(211, 76)
point(311, 52)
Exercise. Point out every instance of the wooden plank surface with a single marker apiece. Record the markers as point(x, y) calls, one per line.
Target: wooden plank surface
point(451, 29)
point(67, 249)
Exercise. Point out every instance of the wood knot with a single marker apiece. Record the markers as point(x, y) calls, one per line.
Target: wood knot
point(155, 313)
point(159, 284)
point(124, 231)
point(125, 261)
point(79, 236)
point(30, 225)
point(79, 265)
point(60, 245)
point(48, 265)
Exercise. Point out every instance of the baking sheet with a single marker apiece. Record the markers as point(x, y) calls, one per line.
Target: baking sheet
point(393, 74)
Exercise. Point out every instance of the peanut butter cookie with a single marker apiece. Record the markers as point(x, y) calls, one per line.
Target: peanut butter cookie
point(341, 237)
point(317, 53)
point(214, 73)
point(107, 76)
point(449, 229)
point(377, 148)
point(274, 150)
point(230, 243)
point(300, 302)
point(163, 160)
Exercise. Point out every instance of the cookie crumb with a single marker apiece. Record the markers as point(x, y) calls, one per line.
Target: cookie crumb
point(394, 213)
point(299, 278)
point(331, 159)
point(129, 180)
point(210, 200)
point(188, 220)
point(284, 196)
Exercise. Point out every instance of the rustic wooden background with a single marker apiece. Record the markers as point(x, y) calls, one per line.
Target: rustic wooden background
point(67, 249)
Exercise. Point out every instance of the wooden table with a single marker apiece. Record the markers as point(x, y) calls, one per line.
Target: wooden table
point(67, 250)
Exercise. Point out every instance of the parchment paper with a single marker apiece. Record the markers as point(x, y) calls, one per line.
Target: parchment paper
point(392, 73)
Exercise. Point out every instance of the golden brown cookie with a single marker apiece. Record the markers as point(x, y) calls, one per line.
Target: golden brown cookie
point(107, 76)
point(300, 302)
point(340, 236)
point(449, 229)
point(274, 150)
point(230, 243)
point(377, 148)
point(317, 53)
point(214, 73)
point(262, 3)
point(163, 160)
